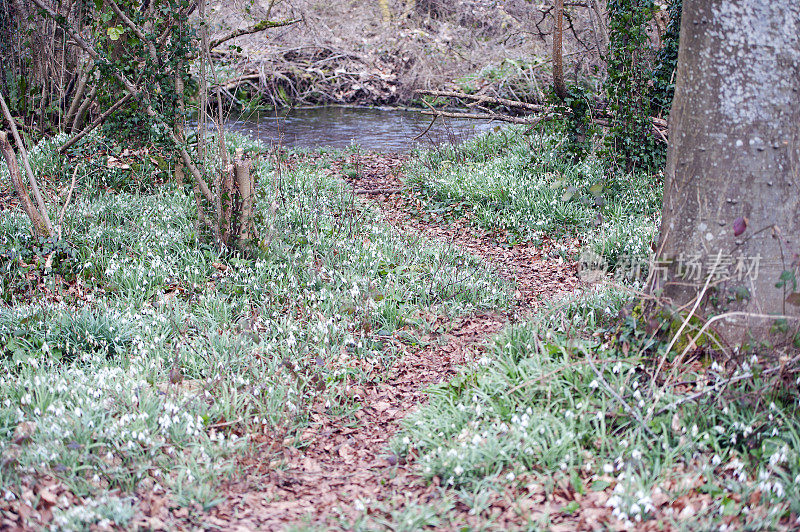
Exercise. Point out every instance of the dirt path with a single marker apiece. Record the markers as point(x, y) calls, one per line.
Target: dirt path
point(538, 276)
point(346, 466)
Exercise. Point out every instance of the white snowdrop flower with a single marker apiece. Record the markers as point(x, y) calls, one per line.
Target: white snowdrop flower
point(458, 470)
point(510, 476)
point(406, 440)
point(608, 468)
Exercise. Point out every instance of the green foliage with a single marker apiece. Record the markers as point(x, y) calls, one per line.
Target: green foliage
point(629, 86)
point(88, 359)
point(574, 115)
point(159, 75)
point(26, 259)
point(567, 399)
point(523, 187)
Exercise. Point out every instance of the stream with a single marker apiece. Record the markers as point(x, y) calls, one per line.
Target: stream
point(379, 129)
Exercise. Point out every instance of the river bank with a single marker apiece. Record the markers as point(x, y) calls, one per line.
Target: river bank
point(381, 53)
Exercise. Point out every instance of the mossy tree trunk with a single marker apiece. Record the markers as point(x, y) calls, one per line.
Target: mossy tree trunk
point(731, 215)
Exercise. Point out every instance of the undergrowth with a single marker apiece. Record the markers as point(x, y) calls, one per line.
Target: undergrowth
point(145, 359)
point(567, 399)
point(522, 185)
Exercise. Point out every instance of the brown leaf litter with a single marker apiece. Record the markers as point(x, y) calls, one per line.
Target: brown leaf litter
point(338, 470)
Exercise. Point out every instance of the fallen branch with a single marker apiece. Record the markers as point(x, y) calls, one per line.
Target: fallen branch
point(255, 28)
point(233, 83)
point(660, 127)
point(433, 121)
point(488, 116)
point(377, 191)
point(487, 99)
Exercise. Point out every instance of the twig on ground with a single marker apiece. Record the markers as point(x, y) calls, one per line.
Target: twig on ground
point(615, 395)
point(377, 191)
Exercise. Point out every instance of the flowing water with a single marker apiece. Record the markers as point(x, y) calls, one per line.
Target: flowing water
point(387, 130)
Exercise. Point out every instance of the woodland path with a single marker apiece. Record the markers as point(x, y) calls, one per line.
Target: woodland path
point(347, 466)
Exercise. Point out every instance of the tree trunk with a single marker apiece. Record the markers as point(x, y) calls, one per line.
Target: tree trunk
point(37, 222)
point(732, 192)
point(558, 55)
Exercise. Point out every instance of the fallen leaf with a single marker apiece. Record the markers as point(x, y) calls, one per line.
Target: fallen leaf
point(739, 225)
point(23, 432)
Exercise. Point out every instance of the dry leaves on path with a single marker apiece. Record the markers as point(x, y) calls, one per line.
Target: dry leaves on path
point(340, 470)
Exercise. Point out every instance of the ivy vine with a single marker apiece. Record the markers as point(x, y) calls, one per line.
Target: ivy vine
point(629, 86)
point(166, 75)
point(664, 73)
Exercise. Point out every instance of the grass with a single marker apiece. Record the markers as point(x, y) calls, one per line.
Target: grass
point(87, 346)
point(522, 185)
point(565, 399)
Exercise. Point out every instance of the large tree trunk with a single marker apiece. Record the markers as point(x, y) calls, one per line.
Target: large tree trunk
point(732, 193)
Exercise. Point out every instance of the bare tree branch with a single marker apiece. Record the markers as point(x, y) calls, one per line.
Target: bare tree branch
point(37, 194)
point(97, 121)
point(255, 28)
point(39, 225)
point(136, 31)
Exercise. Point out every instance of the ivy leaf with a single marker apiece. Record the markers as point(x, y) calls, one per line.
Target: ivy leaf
point(115, 32)
point(794, 299)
